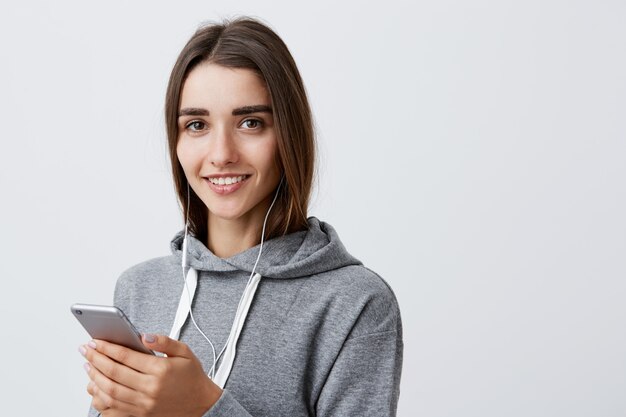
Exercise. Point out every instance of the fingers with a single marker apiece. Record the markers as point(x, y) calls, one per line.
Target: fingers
point(166, 345)
point(102, 401)
point(176, 385)
point(111, 388)
point(129, 357)
point(114, 370)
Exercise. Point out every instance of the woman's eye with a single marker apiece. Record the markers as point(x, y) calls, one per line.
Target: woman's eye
point(252, 123)
point(196, 126)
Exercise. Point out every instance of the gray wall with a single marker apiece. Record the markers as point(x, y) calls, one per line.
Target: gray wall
point(473, 153)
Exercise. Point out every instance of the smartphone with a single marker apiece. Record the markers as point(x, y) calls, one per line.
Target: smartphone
point(109, 323)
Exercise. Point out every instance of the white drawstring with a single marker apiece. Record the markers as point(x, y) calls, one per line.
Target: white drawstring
point(230, 349)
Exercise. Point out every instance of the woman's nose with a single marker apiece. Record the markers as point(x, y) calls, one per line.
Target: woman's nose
point(222, 149)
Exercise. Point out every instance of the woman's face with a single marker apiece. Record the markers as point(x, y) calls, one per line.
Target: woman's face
point(227, 141)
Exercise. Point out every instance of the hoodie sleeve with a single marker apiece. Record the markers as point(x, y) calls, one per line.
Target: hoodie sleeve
point(365, 380)
point(365, 377)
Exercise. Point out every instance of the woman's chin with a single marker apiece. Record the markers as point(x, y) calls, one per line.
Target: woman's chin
point(225, 215)
point(238, 211)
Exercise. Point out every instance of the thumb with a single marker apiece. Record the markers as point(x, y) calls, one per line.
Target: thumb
point(164, 344)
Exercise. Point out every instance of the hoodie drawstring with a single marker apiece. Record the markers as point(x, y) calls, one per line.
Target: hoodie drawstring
point(230, 350)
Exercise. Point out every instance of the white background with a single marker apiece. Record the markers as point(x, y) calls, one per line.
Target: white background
point(472, 152)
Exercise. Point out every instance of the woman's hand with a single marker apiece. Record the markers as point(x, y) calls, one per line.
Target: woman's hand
point(125, 382)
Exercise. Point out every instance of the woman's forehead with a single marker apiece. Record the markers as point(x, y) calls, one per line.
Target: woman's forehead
point(210, 85)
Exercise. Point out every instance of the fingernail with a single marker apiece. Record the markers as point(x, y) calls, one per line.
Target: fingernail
point(87, 367)
point(92, 344)
point(82, 350)
point(150, 338)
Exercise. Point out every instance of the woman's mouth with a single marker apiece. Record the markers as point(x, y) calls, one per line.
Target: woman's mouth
point(227, 180)
point(226, 184)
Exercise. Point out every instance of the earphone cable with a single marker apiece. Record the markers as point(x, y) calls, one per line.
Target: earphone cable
point(253, 268)
point(216, 358)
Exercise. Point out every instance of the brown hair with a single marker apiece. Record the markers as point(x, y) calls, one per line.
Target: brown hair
point(247, 43)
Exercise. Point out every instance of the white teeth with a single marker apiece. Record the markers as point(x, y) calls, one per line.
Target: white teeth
point(227, 180)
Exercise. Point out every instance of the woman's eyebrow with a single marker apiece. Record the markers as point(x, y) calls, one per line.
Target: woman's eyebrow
point(196, 111)
point(259, 108)
point(193, 111)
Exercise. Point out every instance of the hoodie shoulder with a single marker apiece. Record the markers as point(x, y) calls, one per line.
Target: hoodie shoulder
point(370, 298)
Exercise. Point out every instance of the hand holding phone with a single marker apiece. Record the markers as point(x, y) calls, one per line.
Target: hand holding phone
point(109, 323)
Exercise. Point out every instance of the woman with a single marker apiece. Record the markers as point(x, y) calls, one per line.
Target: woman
point(267, 313)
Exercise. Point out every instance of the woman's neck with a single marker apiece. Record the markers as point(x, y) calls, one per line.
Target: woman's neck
point(227, 238)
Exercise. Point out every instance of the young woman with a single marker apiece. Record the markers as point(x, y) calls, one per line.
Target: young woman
point(259, 310)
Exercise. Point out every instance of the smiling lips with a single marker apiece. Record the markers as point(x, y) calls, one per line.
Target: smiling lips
point(226, 184)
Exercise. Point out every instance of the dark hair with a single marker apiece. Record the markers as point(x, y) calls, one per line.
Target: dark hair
point(248, 43)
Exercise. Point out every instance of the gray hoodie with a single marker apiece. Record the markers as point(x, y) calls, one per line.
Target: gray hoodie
point(323, 336)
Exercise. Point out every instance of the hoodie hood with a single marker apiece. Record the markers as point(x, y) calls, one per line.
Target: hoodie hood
point(295, 255)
